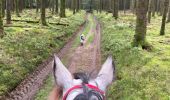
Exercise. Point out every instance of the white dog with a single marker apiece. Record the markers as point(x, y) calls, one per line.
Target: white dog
point(82, 39)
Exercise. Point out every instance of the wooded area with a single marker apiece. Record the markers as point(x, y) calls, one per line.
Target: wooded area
point(130, 28)
point(159, 7)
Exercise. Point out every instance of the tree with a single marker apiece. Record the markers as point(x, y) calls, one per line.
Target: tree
point(133, 5)
point(162, 31)
point(74, 6)
point(101, 5)
point(168, 20)
point(150, 10)
point(56, 6)
point(124, 6)
point(16, 8)
point(37, 7)
point(161, 6)
point(77, 5)
point(52, 5)
point(43, 21)
point(21, 5)
point(3, 8)
point(141, 23)
point(62, 8)
point(115, 8)
point(8, 11)
point(1, 21)
point(153, 8)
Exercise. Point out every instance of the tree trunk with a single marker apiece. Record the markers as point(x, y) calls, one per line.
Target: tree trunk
point(157, 6)
point(8, 11)
point(31, 3)
point(74, 6)
point(52, 5)
point(141, 23)
point(115, 8)
point(56, 6)
point(161, 7)
point(168, 20)
point(43, 20)
point(3, 8)
point(77, 5)
point(12, 5)
point(162, 31)
point(62, 9)
point(153, 8)
point(16, 8)
point(133, 6)
point(124, 6)
point(1, 22)
point(37, 5)
point(21, 5)
point(100, 8)
point(149, 11)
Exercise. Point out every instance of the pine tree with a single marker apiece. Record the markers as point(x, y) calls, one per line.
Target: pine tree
point(115, 8)
point(43, 20)
point(8, 11)
point(62, 8)
point(141, 23)
point(1, 21)
point(168, 20)
point(162, 31)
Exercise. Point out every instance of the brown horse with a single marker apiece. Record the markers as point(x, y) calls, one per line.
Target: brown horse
point(79, 86)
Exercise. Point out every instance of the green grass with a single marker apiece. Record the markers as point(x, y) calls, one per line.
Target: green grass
point(47, 88)
point(24, 48)
point(91, 38)
point(141, 75)
point(91, 24)
point(88, 25)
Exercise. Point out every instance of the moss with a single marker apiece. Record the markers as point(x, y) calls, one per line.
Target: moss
point(141, 75)
point(24, 47)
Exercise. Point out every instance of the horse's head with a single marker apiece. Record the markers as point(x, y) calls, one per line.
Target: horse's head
point(79, 86)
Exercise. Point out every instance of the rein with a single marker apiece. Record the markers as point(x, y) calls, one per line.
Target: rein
point(80, 86)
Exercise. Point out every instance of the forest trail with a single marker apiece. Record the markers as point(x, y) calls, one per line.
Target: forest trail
point(78, 59)
point(87, 58)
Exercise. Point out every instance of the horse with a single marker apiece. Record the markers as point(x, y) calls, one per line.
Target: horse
point(79, 86)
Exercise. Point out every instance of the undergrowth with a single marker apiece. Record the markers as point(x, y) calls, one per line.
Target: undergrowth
point(140, 74)
point(24, 47)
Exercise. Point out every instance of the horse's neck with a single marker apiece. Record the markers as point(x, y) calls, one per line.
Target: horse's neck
point(55, 94)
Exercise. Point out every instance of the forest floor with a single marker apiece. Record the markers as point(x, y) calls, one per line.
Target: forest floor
point(79, 58)
point(26, 64)
point(141, 74)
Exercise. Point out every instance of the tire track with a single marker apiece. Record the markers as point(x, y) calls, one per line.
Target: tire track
point(29, 86)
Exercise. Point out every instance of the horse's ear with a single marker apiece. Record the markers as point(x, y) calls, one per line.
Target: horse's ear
point(62, 76)
point(106, 74)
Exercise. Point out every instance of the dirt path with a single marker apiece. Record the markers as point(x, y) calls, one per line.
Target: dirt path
point(87, 58)
point(78, 58)
point(29, 87)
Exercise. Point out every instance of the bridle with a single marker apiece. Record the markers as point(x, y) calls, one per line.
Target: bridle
point(92, 87)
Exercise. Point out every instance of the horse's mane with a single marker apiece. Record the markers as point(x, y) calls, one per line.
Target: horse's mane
point(84, 77)
point(57, 91)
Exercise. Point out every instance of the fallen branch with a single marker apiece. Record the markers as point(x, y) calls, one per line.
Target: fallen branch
point(29, 21)
point(21, 26)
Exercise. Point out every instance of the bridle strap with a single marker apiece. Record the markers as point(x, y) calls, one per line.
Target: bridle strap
point(80, 86)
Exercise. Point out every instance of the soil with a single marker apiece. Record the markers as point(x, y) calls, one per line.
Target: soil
point(85, 58)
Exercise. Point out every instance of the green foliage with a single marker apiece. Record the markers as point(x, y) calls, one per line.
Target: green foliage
point(26, 46)
point(47, 88)
point(141, 75)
